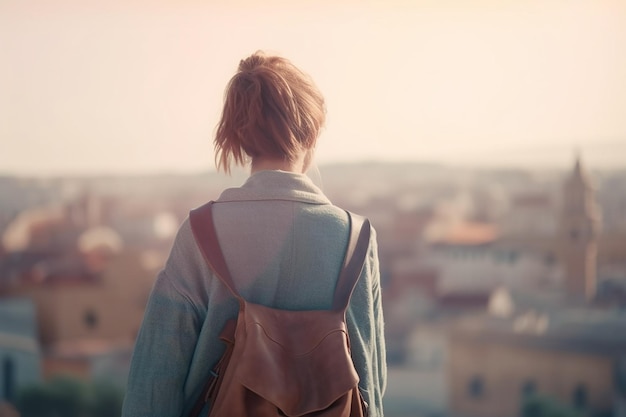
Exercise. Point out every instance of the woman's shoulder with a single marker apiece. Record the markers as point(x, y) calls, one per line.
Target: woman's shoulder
point(341, 216)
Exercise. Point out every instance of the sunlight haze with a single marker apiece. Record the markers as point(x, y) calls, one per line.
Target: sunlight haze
point(117, 87)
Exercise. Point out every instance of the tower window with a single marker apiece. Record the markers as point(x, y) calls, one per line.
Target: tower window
point(91, 319)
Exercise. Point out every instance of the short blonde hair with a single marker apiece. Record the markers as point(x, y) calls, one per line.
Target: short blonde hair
point(271, 109)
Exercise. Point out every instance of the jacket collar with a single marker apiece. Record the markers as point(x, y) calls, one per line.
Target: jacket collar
point(276, 185)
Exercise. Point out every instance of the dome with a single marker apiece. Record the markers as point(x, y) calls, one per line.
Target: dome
point(100, 238)
point(19, 234)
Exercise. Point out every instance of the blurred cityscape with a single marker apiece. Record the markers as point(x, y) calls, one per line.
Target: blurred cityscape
point(504, 290)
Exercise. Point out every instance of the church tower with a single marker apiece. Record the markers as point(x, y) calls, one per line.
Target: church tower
point(579, 229)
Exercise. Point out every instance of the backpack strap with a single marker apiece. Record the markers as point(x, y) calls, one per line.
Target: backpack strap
point(358, 244)
point(203, 229)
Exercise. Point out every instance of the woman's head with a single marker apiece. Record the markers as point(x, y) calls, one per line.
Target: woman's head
point(271, 110)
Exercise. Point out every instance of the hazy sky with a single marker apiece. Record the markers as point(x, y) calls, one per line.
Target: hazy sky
point(123, 86)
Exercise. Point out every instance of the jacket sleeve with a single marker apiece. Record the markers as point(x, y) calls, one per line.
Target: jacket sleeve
point(165, 344)
point(366, 327)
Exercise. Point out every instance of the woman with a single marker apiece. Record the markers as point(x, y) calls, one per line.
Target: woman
point(282, 239)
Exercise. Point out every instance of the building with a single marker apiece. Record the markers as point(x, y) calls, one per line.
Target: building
point(88, 290)
point(530, 214)
point(577, 357)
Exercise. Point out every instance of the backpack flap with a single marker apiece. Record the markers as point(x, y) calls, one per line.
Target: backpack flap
point(288, 354)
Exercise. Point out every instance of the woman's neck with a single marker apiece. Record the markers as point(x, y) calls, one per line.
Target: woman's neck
point(263, 164)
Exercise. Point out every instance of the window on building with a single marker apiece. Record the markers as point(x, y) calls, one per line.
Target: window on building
point(91, 319)
point(8, 379)
point(580, 396)
point(476, 387)
point(549, 259)
point(529, 387)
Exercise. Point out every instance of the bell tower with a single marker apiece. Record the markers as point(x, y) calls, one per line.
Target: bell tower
point(578, 231)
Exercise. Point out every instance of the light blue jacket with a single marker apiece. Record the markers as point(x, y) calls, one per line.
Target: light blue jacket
point(284, 244)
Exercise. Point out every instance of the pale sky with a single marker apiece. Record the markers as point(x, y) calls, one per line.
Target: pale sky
point(134, 87)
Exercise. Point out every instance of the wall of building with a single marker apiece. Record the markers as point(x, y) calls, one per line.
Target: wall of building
point(491, 379)
point(110, 308)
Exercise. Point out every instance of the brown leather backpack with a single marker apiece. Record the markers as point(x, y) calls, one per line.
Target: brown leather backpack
point(281, 362)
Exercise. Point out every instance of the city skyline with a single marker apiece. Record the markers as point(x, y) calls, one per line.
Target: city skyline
point(116, 88)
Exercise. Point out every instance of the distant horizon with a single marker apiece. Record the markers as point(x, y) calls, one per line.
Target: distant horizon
point(238, 171)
